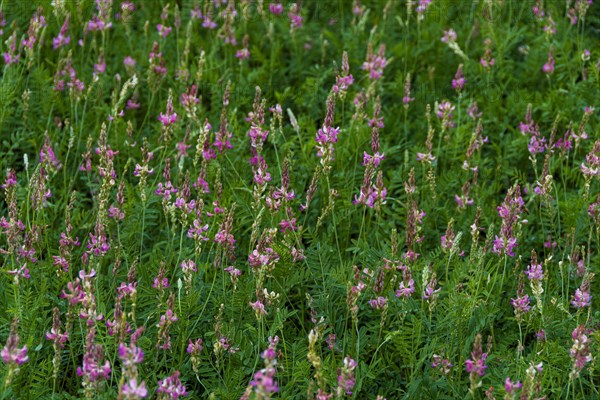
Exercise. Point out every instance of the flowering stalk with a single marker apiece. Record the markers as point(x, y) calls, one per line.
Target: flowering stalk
point(93, 371)
point(580, 351)
point(171, 387)
point(131, 356)
point(475, 366)
point(58, 338)
point(346, 379)
point(510, 212)
point(264, 384)
point(12, 355)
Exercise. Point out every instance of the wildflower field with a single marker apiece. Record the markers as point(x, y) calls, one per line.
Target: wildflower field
point(247, 199)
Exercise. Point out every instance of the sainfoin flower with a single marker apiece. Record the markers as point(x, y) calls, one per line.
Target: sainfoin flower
point(548, 68)
point(170, 116)
point(582, 297)
point(346, 378)
point(171, 387)
point(476, 364)
point(133, 389)
point(580, 352)
point(521, 304)
point(449, 36)
point(264, 383)
point(62, 39)
point(93, 369)
point(375, 62)
point(13, 355)
point(511, 387)
point(11, 352)
point(510, 212)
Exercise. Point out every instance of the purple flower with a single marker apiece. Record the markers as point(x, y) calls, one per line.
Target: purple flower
point(476, 364)
point(442, 363)
point(422, 7)
point(548, 68)
point(62, 39)
point(295, 17)
point(580, 351)
point(132, 390)
point(346, 378)
point(276, 8)
point(195, 347)
point(535, 272)
point(510, 387)
point(444, 113)
point(264, 383)
point(375, 62)
point(243, 54)
point(189, 266)
point(259, 308)
point(163, 30)
point(11, 353)
point(379, 303)
point(92, 368)
point(458, 83)
point(57, 336)
point(170, 117)
point(521, 304)
point(172, 386)
point(129, 62)
point(582, 297)
point(130, 355)
point(406, 289)
point(449, 36)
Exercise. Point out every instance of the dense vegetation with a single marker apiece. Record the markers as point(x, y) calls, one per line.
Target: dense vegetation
point(244, 199)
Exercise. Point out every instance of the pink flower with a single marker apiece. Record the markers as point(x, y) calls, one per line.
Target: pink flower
point(476, 365)
point(62, 39)
point(548, 68)
point(258, 307)
point(346, 378)
point(129, 61)
point(172, 386)
point(195, 347)
point(11, 353)
point(449, 36)
point(170, 116)
point(511, 387)
point(580, 351)
point(163, 30)
point(243, 54)
point(132, 389)
point(582, 297)
point(276, 8)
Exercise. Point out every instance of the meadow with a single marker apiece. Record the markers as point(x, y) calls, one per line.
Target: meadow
point(251, 199)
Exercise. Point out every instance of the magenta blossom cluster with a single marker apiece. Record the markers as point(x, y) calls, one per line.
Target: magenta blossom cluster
point(130, 357)
point(476, 364)
point(11, 353)
point(170, 116)
point(94, 367)
point(171, 387)
point(373, 193)
point(441, 363)
point(264, 383)
point(345, 79)
point(582, 297)
point(407, 285)
point(580, 352)
point(510, 212)
point(346, 379)
point(375, 63)
point(537, 143)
